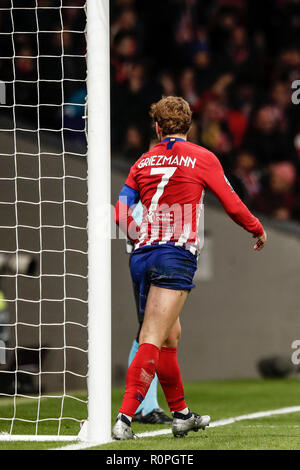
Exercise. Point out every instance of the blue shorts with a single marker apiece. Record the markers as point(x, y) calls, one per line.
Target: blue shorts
point(166, 266)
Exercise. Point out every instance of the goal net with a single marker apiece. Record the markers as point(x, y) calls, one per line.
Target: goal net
point(43, 218)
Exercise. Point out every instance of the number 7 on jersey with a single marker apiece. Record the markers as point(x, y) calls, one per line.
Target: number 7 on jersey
point(167, 174)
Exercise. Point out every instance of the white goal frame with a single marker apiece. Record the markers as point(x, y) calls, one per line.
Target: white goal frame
point(99, 197)
point(97, 429)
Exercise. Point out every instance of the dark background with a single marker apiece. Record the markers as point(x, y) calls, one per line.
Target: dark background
point(234, 61)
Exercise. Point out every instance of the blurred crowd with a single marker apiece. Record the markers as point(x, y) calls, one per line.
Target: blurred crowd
point(234, 61)
point(49, 66)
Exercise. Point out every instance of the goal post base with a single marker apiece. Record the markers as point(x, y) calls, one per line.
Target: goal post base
point(83, 433)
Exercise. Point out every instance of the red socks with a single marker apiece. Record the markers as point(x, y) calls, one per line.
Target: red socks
point(168, 373)
point(139, 377)
point(141, 372)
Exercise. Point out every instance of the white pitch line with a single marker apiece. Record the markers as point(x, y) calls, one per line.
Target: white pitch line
point(82, 445)
point(214, 424)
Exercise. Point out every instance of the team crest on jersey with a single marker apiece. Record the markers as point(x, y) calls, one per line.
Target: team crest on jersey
point(228, 182)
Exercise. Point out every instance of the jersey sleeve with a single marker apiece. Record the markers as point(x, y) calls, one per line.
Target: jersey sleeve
point(130, 194)
point(128, 197)
point(216, 181)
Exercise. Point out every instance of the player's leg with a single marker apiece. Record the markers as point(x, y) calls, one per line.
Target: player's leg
point(161, 328)
point(161, 314)
point(143, 367)
point(161, 319)
point(157, 326)
point(162, 311)
point(149, 408)
point(149, 411)
point(135, 344)
point(169, 376)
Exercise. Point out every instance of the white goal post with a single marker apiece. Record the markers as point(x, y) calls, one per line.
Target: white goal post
point(55, 222)
point(99, 174)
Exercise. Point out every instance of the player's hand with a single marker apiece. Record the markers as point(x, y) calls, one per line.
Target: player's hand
point(261, 241)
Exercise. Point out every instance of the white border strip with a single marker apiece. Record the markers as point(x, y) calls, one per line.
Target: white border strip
point(4, 437)
point(214, 424)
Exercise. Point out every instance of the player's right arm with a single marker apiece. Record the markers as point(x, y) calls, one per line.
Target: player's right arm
point(216, 181)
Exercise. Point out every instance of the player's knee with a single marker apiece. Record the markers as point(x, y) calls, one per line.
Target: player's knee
point(171, 342)
point(150, 336)
point(173, 338)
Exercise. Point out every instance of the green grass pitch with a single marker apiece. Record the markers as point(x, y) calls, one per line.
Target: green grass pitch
point(220, 399)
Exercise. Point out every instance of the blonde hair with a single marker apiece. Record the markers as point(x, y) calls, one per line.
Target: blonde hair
point(173, 115)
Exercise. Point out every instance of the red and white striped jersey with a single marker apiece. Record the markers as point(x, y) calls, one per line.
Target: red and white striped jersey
point(170, 180)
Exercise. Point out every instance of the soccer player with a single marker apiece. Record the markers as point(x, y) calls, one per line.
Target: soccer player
point(170, 181)
point(149, 411)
